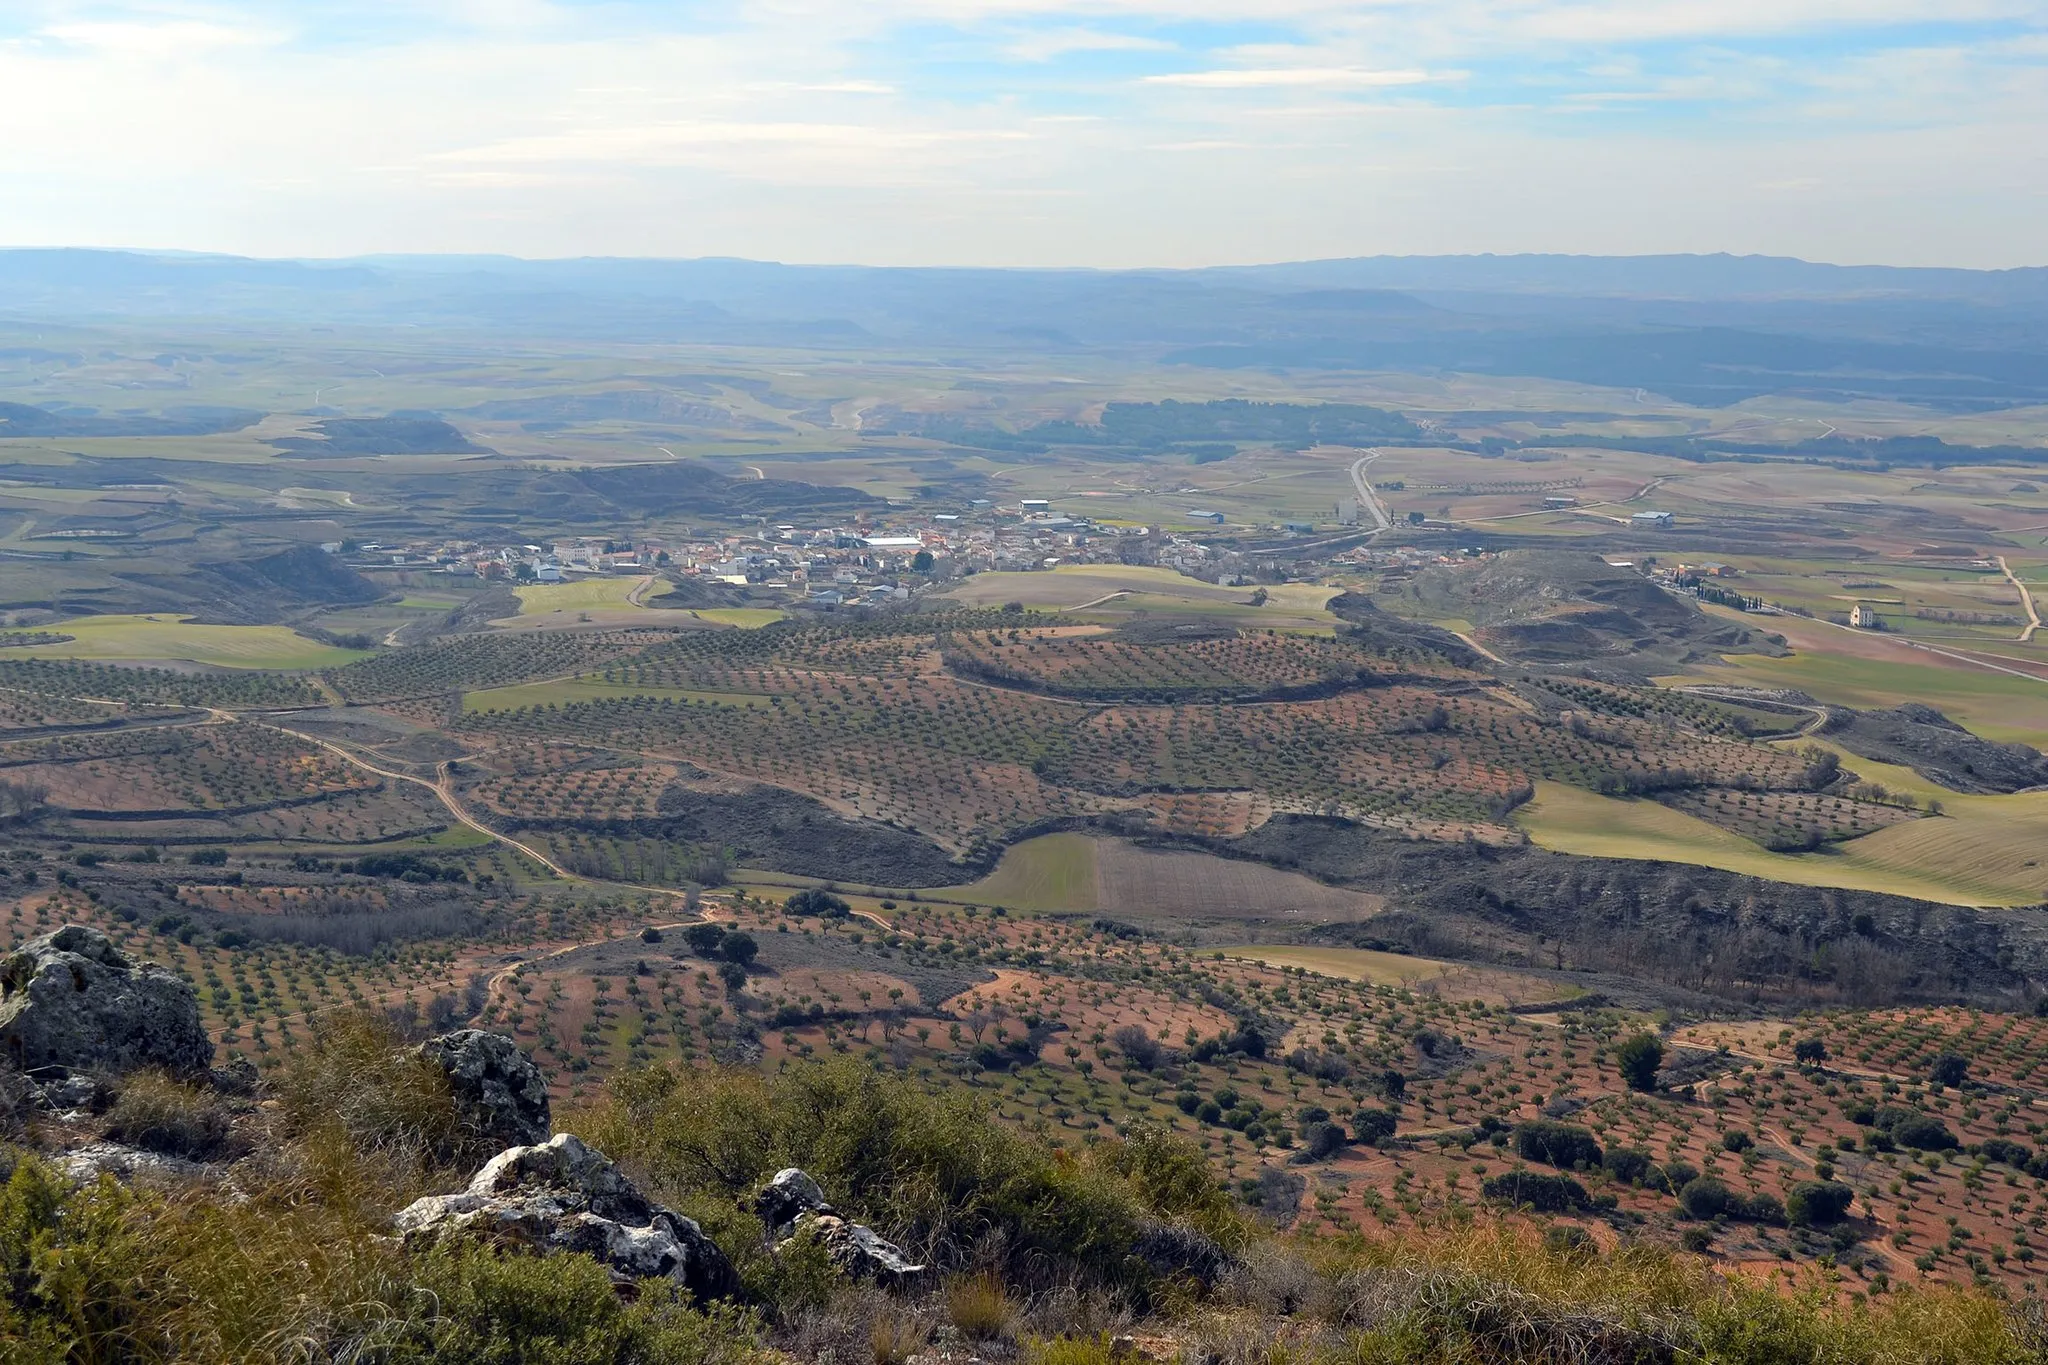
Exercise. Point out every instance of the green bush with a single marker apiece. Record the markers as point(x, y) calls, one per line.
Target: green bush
point(1373, 1126)
point(1812, 1203)
point(477, 1307)
point(1924, 1133)
point(67, 1254)
point(931, 1170)
point(1705, 1198)
point(1626, 1164)
point(1533, 1189)
point(1563, 1145)
point(1639, 1058)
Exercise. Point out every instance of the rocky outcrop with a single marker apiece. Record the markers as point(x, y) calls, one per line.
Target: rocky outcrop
point(562, 1196)
point(499, 1091)
point(793, 1206)
point(787, 1197)
point(73, 1000)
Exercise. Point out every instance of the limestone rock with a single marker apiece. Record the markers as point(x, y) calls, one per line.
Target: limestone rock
point(501, 1093)
point(859, 1251)
point(125, 1163)
point(73, 1000)
point(793, 1205)
point(787, 1197)
point(563, 1196)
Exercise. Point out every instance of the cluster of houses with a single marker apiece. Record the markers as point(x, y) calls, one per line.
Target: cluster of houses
point(870, 559)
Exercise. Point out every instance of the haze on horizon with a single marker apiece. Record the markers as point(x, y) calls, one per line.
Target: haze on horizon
point(1030, 132)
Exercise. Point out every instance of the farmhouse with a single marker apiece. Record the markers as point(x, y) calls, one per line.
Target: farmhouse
point(1865, 617)
point(1656, 519)
point(1200, 514)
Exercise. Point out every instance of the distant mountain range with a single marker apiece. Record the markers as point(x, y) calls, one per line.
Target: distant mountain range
point(1706, 329)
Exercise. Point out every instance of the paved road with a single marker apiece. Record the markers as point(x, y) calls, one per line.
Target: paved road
point(1368, 501)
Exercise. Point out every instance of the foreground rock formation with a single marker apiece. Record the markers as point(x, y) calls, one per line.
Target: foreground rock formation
point(75, 1001)
point(562, 1196)
point(501, 1094)
point(792, 1206)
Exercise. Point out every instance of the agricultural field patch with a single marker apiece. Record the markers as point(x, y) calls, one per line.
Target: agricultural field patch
point(1228, 667)
point(235, 767)
point(1124, 590)
point(1066, 873)
point(1573, 820)
point(480, 662)
point(581, 594)
point(184, 639)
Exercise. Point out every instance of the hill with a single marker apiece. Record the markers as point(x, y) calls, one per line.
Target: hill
point(1550, 607)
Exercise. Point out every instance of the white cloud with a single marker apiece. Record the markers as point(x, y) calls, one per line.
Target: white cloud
point(1286, 77)
point(1024, 131)
point(1052, 43)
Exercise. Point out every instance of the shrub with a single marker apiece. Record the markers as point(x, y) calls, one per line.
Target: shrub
point(1626, 1164)
point(355, 1078)
point(929, 1169)
point(1373, 1126)
point(1696, 1239)
point(1570, 1242)
point(1639, 1058)
point(818, 904)
point(163, 1115)
point(1735, 1140)
point(977, 1305)
point(482, 1308)
point(1924, 1133)
point(1759, 1208)
point(2014, 1154)
point(1673, 1176)
point(1556, 1144)
point(1096, 1350)
point(1140, 1046)
point(1705, 1198)
point(1535, 1190)
point(894, 1337)
point(1323, 1140)
point(1812, 1203)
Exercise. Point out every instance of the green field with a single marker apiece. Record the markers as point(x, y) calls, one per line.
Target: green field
point(582, 594)
point(180, 639)
point(1054, 872)
point(746, 618)
point(1997, 706)
point(1116, 590)
point(1977, 855)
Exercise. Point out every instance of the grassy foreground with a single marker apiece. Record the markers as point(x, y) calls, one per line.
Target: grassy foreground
point(1033, 1248)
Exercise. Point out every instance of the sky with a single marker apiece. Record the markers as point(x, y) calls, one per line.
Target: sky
point(1030, 132)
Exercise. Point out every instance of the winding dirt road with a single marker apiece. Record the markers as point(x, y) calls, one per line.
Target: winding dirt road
point(2026, 600)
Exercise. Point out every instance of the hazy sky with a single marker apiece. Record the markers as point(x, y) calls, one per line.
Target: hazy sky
point(1103, 132)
